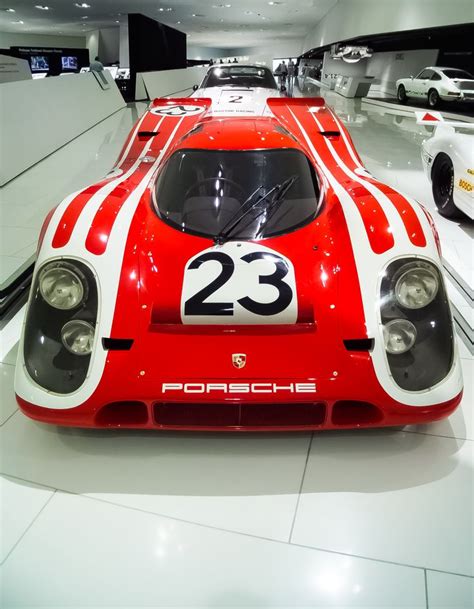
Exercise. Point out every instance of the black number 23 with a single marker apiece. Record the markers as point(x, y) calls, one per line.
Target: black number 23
point(196, 305)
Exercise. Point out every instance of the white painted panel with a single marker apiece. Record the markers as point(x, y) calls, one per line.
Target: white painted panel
point(168, 82)
point(39, 116)
point(13, 69)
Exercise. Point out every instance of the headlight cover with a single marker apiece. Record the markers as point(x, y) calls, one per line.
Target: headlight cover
point(399, 336)
point(78, 337)
point(416, 323)
point(416, 285)
point(62, 285)
point(58, 339)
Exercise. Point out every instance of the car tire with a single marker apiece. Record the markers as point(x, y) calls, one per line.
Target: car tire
point(433, 98)
point(442, 179)
point(402, 95)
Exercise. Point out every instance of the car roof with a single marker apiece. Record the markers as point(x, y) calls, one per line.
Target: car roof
point(238, 65)
point(239, 133)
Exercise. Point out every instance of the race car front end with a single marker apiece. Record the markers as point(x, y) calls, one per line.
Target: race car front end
point(297, 309)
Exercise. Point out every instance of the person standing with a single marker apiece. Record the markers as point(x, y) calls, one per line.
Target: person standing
point(97, 65)
point(291, 76)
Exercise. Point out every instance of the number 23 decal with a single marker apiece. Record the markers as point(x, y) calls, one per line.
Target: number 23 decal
point(255, 285)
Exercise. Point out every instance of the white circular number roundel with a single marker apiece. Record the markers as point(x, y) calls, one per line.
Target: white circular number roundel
point(177, 110)
point(239, 283)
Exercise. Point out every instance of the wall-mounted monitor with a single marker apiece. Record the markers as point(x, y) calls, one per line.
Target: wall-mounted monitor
point(39, 63)
point(69, 63)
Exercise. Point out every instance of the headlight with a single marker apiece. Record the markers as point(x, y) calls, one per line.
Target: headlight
point(62, 285)
point(399, 336)
point(417, 286)
point(78, 337)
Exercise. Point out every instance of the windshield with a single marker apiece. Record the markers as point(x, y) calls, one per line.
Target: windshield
point(457, 74)
point(204, 192)
point(240, 76)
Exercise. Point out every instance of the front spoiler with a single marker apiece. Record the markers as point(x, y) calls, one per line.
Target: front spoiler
point(242, 415)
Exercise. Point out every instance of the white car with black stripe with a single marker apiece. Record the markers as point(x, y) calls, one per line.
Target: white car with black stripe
point(237, 89)
point(436, 83)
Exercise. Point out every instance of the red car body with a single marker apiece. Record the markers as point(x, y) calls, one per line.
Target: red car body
point(325, 368)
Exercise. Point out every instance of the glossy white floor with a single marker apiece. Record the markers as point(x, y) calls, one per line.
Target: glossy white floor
point(376, 519)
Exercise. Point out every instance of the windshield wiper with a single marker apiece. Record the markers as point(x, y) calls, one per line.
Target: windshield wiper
point(275, 202)
point(279, 189)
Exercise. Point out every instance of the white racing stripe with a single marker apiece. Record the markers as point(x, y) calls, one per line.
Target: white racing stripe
point(108, 268)
point(84, 222)
point(132, 139)
point(394, 219)
point(370, 267)
point(427, 230)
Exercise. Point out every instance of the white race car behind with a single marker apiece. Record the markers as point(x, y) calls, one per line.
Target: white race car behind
point(435, 84)
point(448, 160)
point(237, 89)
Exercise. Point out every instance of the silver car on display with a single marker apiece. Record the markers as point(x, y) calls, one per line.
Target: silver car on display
point(238, 89)
point(435, 84)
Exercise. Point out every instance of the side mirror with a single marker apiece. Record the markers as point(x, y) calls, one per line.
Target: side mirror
point(195, 87)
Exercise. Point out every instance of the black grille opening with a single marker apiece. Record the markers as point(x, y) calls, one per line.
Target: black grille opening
point(239, 415)
point(352, 413)
point(117, 344)
point(117, 414)
point(359, 344)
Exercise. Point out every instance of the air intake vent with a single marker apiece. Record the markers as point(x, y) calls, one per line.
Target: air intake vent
point(147, 134)
point(117, 344)
point(359, 344)
point(330, 133)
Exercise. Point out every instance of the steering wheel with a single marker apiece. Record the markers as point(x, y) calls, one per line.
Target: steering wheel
point(190, 189)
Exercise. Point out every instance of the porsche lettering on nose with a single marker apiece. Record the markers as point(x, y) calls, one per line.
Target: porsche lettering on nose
point(239, 360)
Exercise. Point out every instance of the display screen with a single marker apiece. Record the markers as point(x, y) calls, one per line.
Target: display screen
point(39, 63)
point(69, 63)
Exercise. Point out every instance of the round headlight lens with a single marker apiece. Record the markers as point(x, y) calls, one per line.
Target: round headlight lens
point(399, 336)
point(416, 286)
point(62, 286)
point(78, 337)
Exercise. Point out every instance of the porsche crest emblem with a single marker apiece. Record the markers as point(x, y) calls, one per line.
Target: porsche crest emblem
point(239, 360)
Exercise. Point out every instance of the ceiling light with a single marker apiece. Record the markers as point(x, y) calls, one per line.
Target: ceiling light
point(42, 7)
point(82, 5)
point(7, 10)
point(85, 17)
point(19, 22)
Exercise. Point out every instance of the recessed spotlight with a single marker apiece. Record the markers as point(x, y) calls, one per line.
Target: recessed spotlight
point(178, 23)
point(117, 21)
point(85, 17)
point(19, 22)
point(42, 7)
point(82, 5)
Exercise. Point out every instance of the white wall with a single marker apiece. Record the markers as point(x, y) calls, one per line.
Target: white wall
point(196, 52)
point(92, 44)
point(266, 54)
point(168, 82)
point(387, 68)
point(350, 18)
point(124, 46)
point(8, 40)
point(40, 116)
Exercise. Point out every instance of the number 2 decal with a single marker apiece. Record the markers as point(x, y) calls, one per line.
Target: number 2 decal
point(236, 99)
point(253, 285)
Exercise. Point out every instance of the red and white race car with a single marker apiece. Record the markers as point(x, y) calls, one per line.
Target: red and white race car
point(238, 274)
